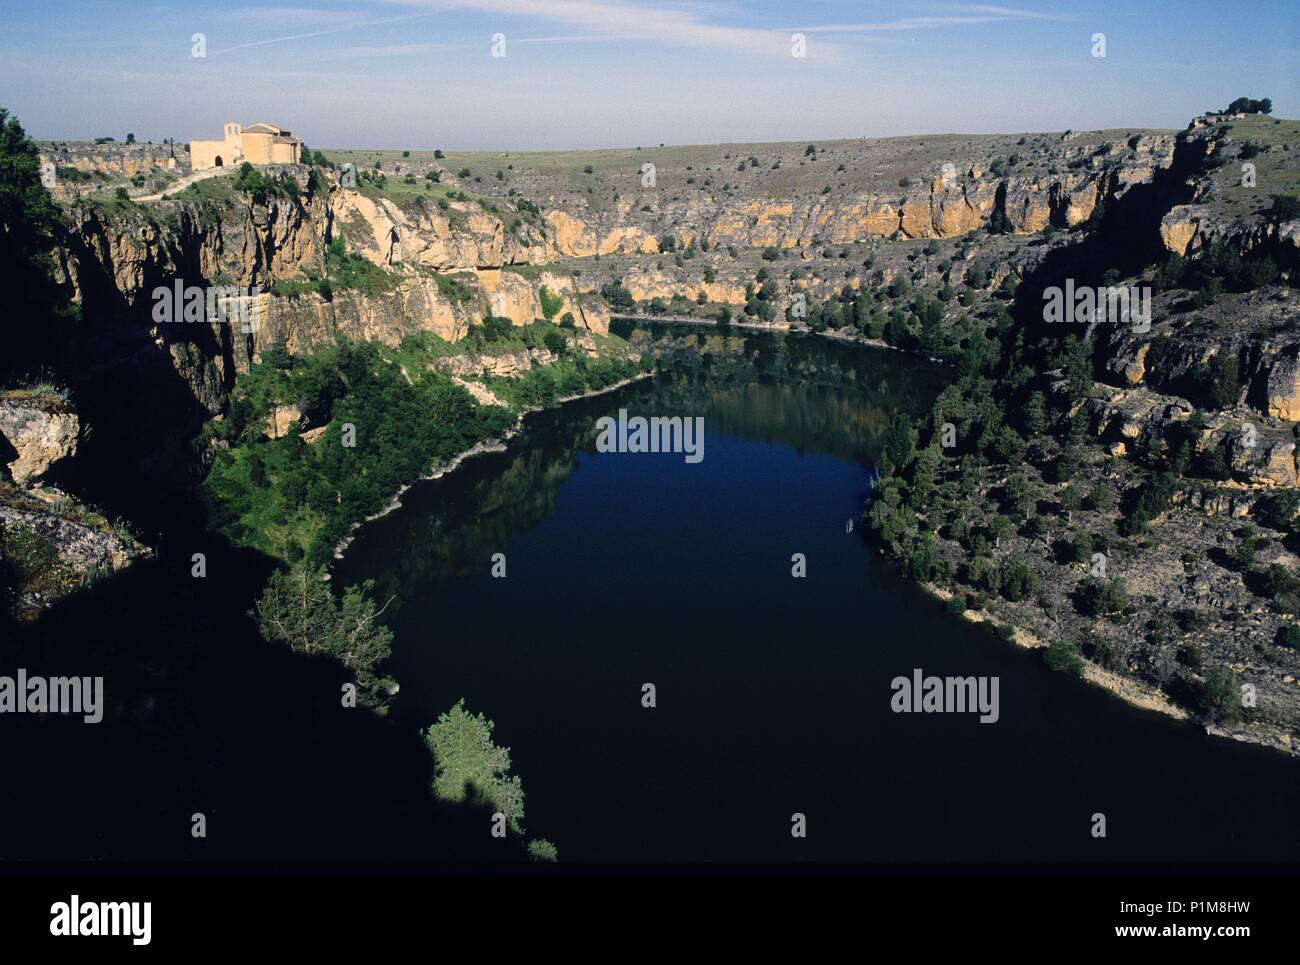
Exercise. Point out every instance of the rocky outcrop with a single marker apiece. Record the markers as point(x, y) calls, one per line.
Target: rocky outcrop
point(77, 544)
point(461, 237)
point(116, 259)
point(52, 546)
point(506, 365)
point(1261, 452)
point(1282, 382)
point(582, 237)
point(511, 364)
point(1190, 228)
point(282, 420)
point(36, 433)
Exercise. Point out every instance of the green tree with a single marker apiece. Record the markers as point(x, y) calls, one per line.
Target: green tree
point(1017, 580)
point(1102, 498)
point(555, 343)
point(1063, 656)
point(1244, 553)
point(921, 491)
point(1220, 695)
point(297, 608)
point(1036, 415)
point(469, 767)
point(38, 318)
point(539, 849)
point(1097, 598)
point(899, 443)
point(1223, 381)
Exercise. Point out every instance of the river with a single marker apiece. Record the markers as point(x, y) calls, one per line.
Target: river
point(772, 693)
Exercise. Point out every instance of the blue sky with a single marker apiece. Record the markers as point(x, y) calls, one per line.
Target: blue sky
point(608, 73)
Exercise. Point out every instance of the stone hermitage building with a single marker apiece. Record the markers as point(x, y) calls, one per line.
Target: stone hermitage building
point(259, 144)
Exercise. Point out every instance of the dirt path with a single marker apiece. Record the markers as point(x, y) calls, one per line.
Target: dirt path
point(184, 183)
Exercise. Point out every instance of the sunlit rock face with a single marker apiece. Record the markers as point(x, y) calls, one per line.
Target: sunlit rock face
point(38, 432)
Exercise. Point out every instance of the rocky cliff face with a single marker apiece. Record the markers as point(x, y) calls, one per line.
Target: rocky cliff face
point(460, 238)
point(945, 205)
point(445, 260)
point(115, 259)
point(50, 544)
point(36, 433)
point(1227, 198)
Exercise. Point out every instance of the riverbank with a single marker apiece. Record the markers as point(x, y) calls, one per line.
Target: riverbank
point(773, 329)
point(600, 537)
point(497, 444)
point(1172, 576)
point(1154, 569)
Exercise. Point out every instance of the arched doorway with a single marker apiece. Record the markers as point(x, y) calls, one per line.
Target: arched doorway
point(219, 161)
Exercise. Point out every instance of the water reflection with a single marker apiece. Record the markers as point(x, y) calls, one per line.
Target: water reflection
point(806, 393)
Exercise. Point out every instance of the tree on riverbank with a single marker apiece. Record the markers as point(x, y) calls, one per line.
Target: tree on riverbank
point(469, 767)
point(297, 607)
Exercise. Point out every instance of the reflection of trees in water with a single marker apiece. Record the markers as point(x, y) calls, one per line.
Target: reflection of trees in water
point(451, 527)
point(806, 393)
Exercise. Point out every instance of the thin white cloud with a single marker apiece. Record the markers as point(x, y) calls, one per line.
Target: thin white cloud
point(373, 50)
point(674, 25)
point(319, 33)
point(962, 15)
point(281, 14)
point(663, 22)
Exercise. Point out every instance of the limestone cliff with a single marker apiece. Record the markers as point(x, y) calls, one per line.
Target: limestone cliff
point(947, 204)
point(35, 433)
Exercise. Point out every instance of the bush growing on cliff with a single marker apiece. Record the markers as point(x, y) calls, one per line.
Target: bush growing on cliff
point(1278, 584)
point(551, 303)
point(493, 328)
point(617, 296)
point(1151, 502)
point(555, 343)
point(1279, 509)
point(250, 181)
point(346, 271)
point(1219, 381)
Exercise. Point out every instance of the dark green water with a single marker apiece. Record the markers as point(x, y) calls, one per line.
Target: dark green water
point(773, 693)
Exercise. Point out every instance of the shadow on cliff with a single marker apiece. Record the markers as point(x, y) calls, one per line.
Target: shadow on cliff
point(140, 400)
point(1123, 235)
point(201, 716)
